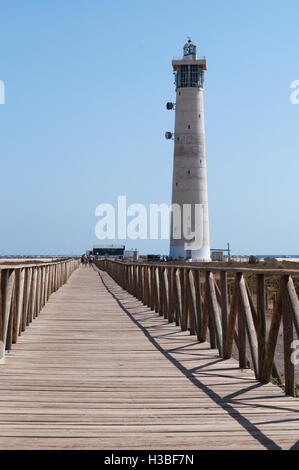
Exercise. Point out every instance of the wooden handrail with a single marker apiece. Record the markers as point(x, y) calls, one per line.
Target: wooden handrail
point(24, 290)
point(32, 265)
point(211, 268)
point(205, 300)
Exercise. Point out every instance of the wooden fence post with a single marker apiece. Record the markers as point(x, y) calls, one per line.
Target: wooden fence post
point(214, 312)
point(178, 298)
point(7, 289)
point(249, 325)
point(287, 320)
point(19, 302)
point(224, 309)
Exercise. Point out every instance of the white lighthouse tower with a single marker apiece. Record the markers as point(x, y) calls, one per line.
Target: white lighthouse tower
point(189, 184)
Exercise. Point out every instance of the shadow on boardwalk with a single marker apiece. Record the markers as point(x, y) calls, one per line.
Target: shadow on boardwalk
point(271, 418)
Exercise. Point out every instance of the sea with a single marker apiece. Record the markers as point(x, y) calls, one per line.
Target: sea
point(271, 256)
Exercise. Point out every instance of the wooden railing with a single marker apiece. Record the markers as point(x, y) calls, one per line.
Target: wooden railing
point(25, 288)
point(226, 306)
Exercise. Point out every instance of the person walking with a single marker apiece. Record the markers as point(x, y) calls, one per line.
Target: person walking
point(84, 260)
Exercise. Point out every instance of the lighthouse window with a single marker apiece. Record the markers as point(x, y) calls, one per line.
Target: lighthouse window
point(184, 76)
point(189, 127)
point(188, 172)
point(193, 75)
point(176, 184)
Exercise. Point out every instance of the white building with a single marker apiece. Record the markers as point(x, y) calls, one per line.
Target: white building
point(189, 184)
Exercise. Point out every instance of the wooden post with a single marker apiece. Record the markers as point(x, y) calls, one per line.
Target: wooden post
point(33, 295)
point(192, 303)
point(293, 302)
point(214, 312)
point(161, 291)
point(249, 325)
point(241, 337)
point(11, 318)
point(20, 277)
point(166, 293)
point(46, 288)
point(127, 278)
point(198, 300)
point(157, 291)
point(287, 320)
point(261, 322)
point(38, 284)
point(205, 314)
point(135, 281)
point(224, 309)
point(7, 288)
point(146, 293)
point(152, 284)
point(272, 338)
point(139, 289)
point(232, 319)
point(26, 311)
point(143, 271)
point(184, 297)
point(171, 295)
point(178, 298)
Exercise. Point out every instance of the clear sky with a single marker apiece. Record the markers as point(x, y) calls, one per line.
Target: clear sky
point(86, 84)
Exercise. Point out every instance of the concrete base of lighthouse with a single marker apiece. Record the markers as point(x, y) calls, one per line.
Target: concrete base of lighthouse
point(202, 254)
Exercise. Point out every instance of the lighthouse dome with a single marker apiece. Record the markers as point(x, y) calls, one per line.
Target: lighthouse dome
point(189, 48)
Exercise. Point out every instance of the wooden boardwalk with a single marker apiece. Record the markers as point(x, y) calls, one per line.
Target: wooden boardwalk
point(99, 370)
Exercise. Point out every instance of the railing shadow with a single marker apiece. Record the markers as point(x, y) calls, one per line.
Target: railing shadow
point(226, 403)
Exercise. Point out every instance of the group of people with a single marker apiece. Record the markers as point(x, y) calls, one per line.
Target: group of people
point(86, 260)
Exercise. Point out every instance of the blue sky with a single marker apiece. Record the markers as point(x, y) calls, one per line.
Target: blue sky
point(84, 120)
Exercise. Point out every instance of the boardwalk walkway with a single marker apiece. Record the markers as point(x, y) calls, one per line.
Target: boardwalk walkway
point(99, 370)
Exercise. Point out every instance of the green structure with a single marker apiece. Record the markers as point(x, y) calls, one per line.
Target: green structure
point(108, 250)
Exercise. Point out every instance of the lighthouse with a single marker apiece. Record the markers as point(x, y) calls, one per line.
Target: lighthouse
point(189, 237)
